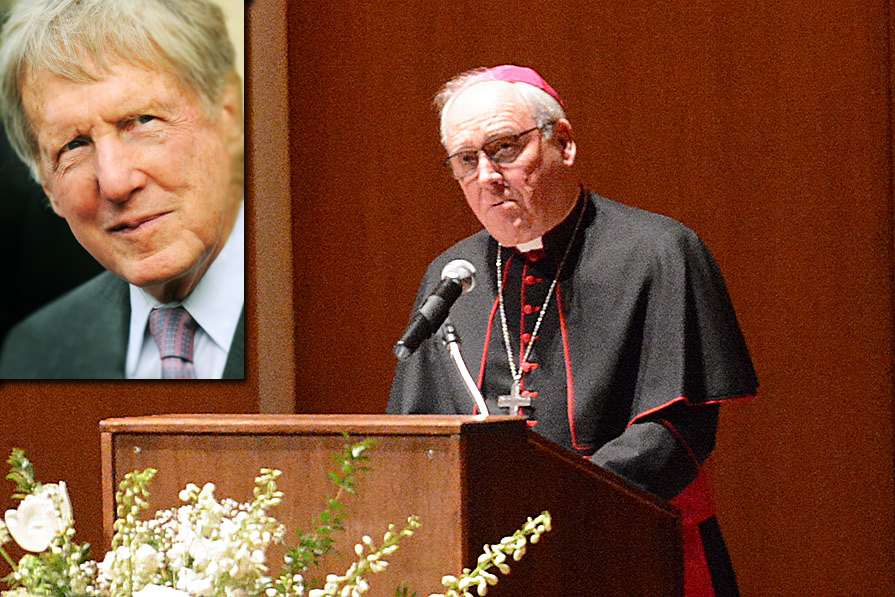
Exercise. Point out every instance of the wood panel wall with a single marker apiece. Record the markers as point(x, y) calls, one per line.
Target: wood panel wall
point(765, 126)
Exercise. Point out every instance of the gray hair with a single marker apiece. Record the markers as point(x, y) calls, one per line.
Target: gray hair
point(82, 40)
point(544, 107)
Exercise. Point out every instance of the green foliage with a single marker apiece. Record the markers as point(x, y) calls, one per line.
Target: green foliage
point(50, 572)
point(371, 560)
point(132, 499)
point(21, 472)
point(315, 544)
point(496, 556)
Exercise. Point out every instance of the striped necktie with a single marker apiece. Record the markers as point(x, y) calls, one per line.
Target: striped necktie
point(172, 330)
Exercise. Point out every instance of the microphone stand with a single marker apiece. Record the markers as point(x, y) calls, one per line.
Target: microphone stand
point(451, 341)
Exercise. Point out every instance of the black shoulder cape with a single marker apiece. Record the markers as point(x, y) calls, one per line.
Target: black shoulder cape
point(640, 320)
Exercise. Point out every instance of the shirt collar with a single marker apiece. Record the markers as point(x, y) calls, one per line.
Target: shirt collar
point(532, 245)
point(558, 236)
point(215, 303)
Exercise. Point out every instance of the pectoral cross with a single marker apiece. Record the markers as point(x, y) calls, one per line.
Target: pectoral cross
point(514, 401)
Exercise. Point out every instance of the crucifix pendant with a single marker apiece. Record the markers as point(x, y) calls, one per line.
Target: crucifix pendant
point(514, 401)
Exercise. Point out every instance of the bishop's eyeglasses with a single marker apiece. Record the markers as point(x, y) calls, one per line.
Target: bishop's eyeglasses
point(500, 152)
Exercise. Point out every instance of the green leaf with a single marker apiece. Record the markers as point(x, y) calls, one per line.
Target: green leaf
point(316, 544)
point(21, 472)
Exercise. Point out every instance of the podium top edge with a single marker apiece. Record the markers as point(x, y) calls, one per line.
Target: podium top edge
point(310, 424)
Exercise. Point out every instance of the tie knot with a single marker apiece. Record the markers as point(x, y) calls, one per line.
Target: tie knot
point(173, 331)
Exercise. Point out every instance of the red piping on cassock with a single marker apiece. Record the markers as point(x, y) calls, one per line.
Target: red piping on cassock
point(570, 386)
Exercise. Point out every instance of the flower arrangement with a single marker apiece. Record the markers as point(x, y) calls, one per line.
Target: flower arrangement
point(209, 547)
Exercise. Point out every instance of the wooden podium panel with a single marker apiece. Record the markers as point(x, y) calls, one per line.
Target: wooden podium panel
point(471, 480)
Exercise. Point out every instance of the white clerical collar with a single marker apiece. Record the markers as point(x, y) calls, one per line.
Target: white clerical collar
point(537, 243)
point(215, 303)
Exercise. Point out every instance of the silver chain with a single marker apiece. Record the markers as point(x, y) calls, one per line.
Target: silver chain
point(517, 375)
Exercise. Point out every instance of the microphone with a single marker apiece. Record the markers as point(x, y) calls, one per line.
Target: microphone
point(457, 277)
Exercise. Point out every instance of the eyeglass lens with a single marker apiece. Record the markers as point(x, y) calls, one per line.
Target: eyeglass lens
point(500, 151)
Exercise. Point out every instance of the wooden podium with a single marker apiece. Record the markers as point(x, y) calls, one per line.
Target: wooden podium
point(470, 480)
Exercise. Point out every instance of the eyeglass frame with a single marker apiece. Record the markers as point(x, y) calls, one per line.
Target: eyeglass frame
point(481, 150)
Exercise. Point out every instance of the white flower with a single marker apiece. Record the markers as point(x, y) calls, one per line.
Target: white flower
point(146, 561)
point(40, 517)
point(189, 492)
point(105, 567)
point(34, 523)
point(159, 591)
point(20, 592)
point(59, 495)
point(200, 586)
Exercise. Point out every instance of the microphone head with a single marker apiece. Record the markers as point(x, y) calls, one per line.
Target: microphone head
point(462, 271)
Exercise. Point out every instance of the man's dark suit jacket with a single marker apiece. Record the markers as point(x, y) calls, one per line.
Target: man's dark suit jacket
point(84, 334)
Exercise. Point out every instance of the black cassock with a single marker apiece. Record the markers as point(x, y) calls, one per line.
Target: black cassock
point(638, 346)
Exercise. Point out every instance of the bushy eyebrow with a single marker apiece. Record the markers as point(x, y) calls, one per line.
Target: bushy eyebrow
point(153, 106)
point(500, 134)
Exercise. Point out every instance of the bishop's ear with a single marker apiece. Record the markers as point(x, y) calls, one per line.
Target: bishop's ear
point(562, 134)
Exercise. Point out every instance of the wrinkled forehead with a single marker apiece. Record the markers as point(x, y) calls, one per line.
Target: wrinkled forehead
point(36, 84)
point(484, 107)
point(39, 88)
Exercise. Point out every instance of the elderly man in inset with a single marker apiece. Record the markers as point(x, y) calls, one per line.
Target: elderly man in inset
point(129, 113)
point(609, 328)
